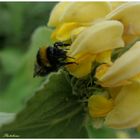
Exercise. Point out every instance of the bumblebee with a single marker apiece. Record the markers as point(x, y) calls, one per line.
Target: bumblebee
point(51, 58)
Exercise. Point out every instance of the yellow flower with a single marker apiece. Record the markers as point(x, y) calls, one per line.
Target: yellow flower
point(128, 14)
point(95, 30)
point(66, 17)
point(123, 82)
point(125, 113)
point(85, 12)
point(124, 69)
point(64, 31)
point(124, 74)
point(83, 66)
point(78, 12)
point(95, 43)
point(119, 111)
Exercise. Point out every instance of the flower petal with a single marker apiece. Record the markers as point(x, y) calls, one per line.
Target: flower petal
point(103, 36)
point(101, 70)
point(128, 14)
point(99, 106)
point(85, 11)
point(56, 13)
point(125, 67)
point(76, 32)
point(126, 112)
point(83, 66)
point(104, 57)
point(63, 32)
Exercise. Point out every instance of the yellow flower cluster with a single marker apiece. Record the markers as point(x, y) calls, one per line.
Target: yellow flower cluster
point(96, 29)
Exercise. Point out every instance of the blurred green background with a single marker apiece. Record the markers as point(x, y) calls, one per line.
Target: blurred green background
point(22, 28)
point(17, 23)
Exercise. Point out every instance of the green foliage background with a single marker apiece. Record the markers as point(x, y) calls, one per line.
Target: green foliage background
point(37, 107)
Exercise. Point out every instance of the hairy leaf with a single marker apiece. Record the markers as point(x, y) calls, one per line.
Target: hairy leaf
point(53, 112)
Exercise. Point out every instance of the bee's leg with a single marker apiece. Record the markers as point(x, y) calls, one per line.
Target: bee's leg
point(60, 44)
point(67, 63)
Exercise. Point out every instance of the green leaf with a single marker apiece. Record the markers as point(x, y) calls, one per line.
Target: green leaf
point(23, 85)
point(103, 132)
point(100, 131)
point(53, 112)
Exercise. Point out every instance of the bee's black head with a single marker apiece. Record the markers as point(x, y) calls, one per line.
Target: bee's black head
point(39, 71)
point(43, 70)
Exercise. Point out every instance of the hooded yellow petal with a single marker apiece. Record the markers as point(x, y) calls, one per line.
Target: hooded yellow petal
point(103, 36)
point(63, 32)
point(83, 66)
point(56, 13)
point(126, 112)
point(124, 68)
point(99, 106)
point(85, 11)
point(128, 14)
